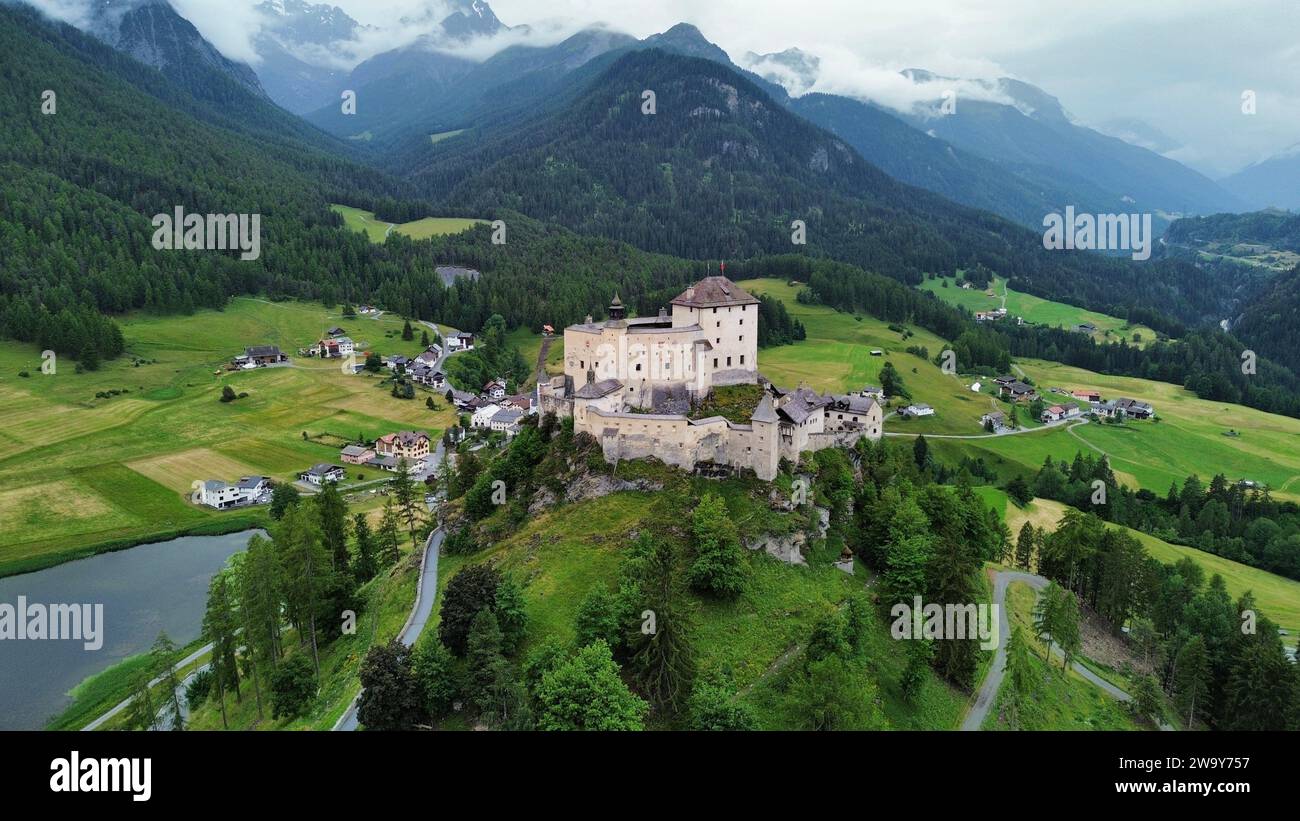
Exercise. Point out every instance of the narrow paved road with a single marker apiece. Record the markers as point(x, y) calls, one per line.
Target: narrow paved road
point(1067, 423)
point(122, 705)
point(425, 594)
point(988, 691)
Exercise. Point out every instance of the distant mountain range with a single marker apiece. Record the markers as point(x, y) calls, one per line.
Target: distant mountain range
point(1270, 183)
point(1011, 148)
point(152, 32)
point(294, 47)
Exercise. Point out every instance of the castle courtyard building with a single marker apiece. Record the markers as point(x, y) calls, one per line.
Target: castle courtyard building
point(631, 383)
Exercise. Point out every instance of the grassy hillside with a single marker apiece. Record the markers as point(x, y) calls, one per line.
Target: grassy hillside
point(388, 599)
point(80, 472)
point(378, 230)
point(1191, 437)
point(561, 555)
point(1037, 310)
point(836, 356)
point(1277, 596)
point(1064, 700)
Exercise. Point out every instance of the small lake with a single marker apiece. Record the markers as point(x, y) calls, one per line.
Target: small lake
point(144, 590)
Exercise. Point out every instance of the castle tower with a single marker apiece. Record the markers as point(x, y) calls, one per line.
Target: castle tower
point(766, 444)
point(616, 309)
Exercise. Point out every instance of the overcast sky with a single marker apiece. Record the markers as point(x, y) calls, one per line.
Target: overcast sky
point(1178, 65)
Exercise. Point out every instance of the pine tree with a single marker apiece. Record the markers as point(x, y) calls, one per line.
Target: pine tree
point(363, 564)
point(1020, 674)
point(663, 653)
point(1191, 677)
point(717, 564)
point(390, 535)
point(220, 624)
point(511, 614)
point(163, 658)
point(1025, 547)
point(333, 514)
point(305, 573)
point(410, 503)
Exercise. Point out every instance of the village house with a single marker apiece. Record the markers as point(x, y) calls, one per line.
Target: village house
point(1087, 395)
point(248, 490)
point(1085, 328)
point(1135, 408)
point(521, 402)
point(495, 389)
point(873, 392)
point(630, 382)
point(1014, 390)
point(336, 331)
point(335, 348)
point(397, 364)
point(1058, 412)
point(917, 410)
point(356, 454)
point(464, 401)
point(264, 355)
point(429, 356)
point(482, 417)
point(996, 420)
point(404, 444)
point(460, 342)
point(322, 473)
point(506, 421)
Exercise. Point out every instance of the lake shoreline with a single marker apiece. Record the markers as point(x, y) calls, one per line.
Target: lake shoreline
point(254, 520)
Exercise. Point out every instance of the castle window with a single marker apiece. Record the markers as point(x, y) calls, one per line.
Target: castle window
point(742, 320)
point(742, 359)
point(715, 362)
point(715, 310)
point(728, 362)
point(582, 363)
point(742, 337)
point(638, 366)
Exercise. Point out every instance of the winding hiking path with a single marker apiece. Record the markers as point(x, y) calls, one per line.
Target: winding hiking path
point(988, 691)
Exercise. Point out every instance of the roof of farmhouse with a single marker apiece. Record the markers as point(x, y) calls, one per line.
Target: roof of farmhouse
point(714, 292)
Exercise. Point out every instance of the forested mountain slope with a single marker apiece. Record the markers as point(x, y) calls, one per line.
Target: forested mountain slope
point(722, 170)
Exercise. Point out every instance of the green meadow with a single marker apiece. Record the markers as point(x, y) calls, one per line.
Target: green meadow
point(1191, 435)
point(1062, 700)
point(559, 556)
point(444, 135)
point(1278, 597)
point(83, 473)
point(1037, 310)
point(836, 356)
point(377, 230)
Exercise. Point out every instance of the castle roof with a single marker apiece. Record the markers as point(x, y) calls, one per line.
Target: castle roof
point(595, 390)
point(765, 412)
point(714, 292)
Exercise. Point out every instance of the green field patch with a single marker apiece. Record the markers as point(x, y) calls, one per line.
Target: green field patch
point(377, 230)
point(1037, 310)
point(836, 356)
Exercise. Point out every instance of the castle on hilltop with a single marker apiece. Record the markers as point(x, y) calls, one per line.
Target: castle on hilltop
point(632, 383)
